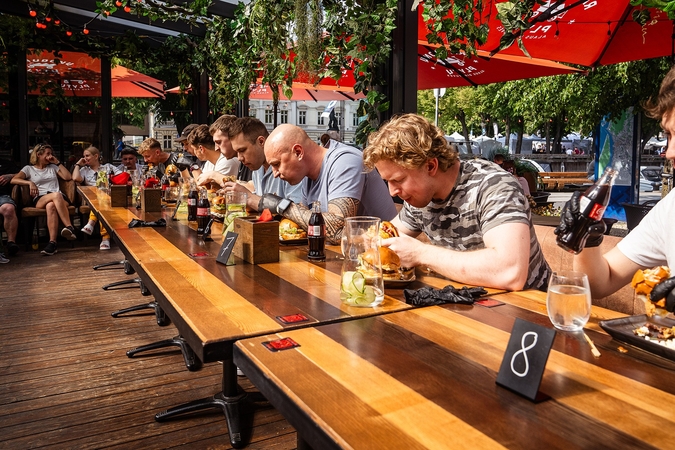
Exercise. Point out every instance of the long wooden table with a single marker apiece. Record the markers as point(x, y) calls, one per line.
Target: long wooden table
point(213, 305)
point(425, 378)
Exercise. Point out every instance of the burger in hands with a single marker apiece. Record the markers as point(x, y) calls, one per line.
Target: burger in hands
point(389, 260)
point(218, 205)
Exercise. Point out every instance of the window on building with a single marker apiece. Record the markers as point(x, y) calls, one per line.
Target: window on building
point(252, 113)
point(269, 116)
point(302, 117)
point(319, 118)
point(355, 120)
point(167, 141)
point(284, 116)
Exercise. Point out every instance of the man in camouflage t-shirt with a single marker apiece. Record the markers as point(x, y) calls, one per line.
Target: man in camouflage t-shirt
point(475, 215)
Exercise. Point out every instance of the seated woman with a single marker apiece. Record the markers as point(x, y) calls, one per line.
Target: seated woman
point(42, 178)
point(510, 167)
point(85, 172)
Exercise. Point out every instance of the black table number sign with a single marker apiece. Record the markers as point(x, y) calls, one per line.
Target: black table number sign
point(226, 248)
point(525, 358)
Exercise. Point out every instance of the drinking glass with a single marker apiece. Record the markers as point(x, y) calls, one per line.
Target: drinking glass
point(361, 280)
point(569, 300)
point(235, 206)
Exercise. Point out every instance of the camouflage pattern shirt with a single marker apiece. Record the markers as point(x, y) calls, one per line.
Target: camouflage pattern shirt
point(484, 197)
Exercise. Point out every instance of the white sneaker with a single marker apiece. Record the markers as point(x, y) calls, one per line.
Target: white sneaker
point(3, 260)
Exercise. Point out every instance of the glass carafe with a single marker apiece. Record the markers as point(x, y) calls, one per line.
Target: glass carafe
point(235, 206)
point(361, 282)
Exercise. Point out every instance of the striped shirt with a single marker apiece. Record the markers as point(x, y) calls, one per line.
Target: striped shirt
point(484, 197)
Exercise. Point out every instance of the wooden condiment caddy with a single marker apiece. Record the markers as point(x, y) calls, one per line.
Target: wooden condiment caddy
point(257, 242)
point(118, 196)
point(151, 200)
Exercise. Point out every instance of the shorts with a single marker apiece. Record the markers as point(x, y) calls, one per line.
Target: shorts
point(37, 197)
point(4, 199)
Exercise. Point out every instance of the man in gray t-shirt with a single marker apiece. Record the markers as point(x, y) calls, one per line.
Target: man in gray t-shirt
point(335, 177)
point(475, 215)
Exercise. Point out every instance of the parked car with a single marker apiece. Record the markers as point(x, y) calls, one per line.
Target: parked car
point(650, 176)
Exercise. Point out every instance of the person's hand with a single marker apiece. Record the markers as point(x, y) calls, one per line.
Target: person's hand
point(233, 186)
point(4, 179)
point(33, 189)
point(407, 248)
point(52, 159)
point(665, 289)
point(81, 162)
point(570, 216)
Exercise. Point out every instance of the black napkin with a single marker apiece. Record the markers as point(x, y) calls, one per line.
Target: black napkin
point(427, 296)
point(141, 223)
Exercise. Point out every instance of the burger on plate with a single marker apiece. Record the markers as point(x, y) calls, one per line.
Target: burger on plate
point(290, 231)
point(644, 282)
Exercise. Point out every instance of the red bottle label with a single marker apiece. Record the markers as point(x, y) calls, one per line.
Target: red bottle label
point(203, 211)
point(315, 230)
point(597, 212)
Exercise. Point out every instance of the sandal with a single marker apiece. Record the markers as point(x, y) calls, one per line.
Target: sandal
point(88, 229)
point(105, 245)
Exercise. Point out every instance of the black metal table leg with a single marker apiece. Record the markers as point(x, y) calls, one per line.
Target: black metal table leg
point(111, 264)
point(191, 361)
point(231, 401)
point(160, 315)
point(144, 290)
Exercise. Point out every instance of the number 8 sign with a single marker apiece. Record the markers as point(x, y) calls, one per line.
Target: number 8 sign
point(525, 358)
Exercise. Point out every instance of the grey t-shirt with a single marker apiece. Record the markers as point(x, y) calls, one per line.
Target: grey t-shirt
point(45, 179)
point(343, 175)
point(265, 183)
point(485, 197)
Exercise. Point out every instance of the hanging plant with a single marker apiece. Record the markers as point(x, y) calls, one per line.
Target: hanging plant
point(308, 32)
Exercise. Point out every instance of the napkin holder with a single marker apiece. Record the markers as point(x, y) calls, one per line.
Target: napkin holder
point(151, 200)
point(118, 196)
point(257, 242)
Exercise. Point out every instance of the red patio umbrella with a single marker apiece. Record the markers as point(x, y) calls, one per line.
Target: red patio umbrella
point(79, 75)
point(588, 33)
point(306, 92)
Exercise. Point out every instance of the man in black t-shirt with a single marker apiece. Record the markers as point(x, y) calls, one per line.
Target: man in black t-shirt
point(7, 206)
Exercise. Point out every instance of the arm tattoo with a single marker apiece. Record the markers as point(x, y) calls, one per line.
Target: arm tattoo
point(338, 209)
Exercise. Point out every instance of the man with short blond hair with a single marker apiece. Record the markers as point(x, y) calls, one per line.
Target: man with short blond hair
point(152, 152)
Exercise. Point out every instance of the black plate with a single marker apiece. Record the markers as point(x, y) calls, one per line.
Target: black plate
point(293, 241)
point(218, 217)
point(398, 284)
point(622, 330)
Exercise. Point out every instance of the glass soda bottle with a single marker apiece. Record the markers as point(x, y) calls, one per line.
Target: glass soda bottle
point(192, 199)
point(592, 205)
point(203, 211)
point(316, 234)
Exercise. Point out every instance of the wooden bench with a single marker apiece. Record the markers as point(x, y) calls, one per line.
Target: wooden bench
point(558, 180)
point(623, 300)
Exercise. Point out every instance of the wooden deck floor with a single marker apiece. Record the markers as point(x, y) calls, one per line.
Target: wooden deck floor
point(66, 382)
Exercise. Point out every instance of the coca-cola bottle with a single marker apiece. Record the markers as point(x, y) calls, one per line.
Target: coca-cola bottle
point(203, 211)
point(192, 198)
point(592, 204)
point(316, 234)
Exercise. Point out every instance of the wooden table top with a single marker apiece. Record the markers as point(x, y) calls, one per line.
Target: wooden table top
point(211, 303)
point(425, 378)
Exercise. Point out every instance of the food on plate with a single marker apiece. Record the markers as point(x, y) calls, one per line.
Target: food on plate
point(289, 231)
point(229, 178)
point(644, 281)
point(171, 170)
point(218, 205)
point(661, 335)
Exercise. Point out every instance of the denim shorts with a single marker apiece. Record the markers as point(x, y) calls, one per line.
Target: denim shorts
point(6, 199)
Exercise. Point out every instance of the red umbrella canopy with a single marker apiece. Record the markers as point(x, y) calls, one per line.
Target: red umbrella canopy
point(306, 92)
point(80, 75)
point(460, 70)
point(588, 33)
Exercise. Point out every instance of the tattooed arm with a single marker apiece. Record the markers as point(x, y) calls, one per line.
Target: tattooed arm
point(338, 210)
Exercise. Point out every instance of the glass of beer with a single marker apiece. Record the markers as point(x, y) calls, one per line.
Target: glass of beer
point(568, 302)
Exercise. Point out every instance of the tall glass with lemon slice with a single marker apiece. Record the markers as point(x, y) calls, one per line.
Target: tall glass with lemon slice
point(361, 283)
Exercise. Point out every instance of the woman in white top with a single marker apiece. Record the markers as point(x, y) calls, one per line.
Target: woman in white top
point(85, 172)
point(42, 177)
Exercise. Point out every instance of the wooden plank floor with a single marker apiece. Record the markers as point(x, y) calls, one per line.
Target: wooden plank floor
point(66, 382)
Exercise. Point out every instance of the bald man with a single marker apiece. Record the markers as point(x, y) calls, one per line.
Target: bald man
point(335, 176)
